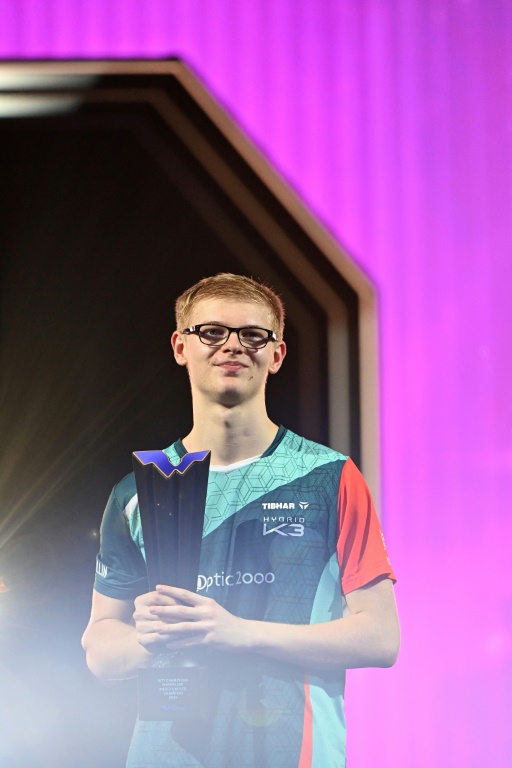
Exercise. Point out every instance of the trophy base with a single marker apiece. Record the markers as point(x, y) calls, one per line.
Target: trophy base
point(174, 690)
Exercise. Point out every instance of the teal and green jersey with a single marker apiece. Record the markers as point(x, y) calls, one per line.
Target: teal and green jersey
point(286, 536)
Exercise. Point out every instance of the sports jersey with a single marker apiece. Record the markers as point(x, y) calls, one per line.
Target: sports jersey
point(285, 537)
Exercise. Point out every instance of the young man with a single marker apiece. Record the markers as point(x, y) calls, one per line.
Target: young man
point(295, 585)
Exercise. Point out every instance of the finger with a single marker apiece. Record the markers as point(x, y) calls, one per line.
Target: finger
point(150, 640)
point(183, 630)
point(144, 611)
point(182, 595)
point(176, 613)
point(145, 614)
point(146, 628)
point(160, 598)
point(145, 602)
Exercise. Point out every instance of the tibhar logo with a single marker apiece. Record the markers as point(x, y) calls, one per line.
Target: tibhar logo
point(283, 504)
point(101, 569)
point(278, 504)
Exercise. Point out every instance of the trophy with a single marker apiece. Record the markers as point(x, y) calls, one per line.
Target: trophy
point(172, 502)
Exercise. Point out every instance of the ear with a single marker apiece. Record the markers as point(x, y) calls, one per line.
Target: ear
point(279, 355)
point(178, 347)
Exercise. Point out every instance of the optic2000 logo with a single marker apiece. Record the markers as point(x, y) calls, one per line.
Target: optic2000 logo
point(236, 579)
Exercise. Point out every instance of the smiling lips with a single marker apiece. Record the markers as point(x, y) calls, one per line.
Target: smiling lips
point(231, 365)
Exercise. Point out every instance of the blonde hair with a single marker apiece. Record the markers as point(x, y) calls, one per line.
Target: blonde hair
point(234, 288)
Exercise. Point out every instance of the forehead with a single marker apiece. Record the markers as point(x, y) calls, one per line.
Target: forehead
point(230, 312)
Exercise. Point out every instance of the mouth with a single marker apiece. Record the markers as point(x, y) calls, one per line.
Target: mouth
point(231, 365)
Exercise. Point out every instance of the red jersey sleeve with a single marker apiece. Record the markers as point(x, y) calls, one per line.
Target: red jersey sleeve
point(362, 553)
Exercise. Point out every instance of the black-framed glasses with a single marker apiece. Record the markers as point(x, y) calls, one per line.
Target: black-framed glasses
point(215, 335)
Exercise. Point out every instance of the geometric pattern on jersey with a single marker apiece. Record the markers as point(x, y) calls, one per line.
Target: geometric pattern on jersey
point(268, 553)
point(292, 457)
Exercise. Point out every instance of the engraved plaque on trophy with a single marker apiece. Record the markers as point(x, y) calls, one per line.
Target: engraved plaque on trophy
point(172, 502)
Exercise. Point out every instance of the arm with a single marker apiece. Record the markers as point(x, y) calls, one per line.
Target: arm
point(110, 640)
point(114, 638)
point(368, 637)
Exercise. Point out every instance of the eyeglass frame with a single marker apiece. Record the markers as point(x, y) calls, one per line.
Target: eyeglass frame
point(194, 329)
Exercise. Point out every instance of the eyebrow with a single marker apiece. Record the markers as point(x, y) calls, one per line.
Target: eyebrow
point(216, 322)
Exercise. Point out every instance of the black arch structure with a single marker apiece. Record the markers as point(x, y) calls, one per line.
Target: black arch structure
point(122, 184)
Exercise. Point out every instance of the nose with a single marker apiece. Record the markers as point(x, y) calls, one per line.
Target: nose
point(233, 341)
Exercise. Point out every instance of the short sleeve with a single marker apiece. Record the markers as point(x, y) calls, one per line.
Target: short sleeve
point(362, 553)
point(120, 566)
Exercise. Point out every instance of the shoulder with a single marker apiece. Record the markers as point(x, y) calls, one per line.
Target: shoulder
point(123, 493)
point(309, 450)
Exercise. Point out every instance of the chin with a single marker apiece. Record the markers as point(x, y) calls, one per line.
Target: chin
point(230, 399)
point(234, 395)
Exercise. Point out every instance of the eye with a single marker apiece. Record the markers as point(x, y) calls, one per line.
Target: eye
point(254, 335)
point(213, 332)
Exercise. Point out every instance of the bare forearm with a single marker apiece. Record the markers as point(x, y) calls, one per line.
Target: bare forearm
point(113, 651)
point(369, 636)
point(345, 643)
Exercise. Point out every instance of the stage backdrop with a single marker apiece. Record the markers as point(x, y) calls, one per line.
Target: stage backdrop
point(392, 120)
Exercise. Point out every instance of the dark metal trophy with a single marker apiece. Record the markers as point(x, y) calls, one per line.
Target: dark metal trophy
point(172, 503)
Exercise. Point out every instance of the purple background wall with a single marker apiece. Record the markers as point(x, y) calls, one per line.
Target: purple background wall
point(393, 121)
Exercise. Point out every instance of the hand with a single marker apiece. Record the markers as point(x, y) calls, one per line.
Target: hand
point(146, 621)
point(184, 619)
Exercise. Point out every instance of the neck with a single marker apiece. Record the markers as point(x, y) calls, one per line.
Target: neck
point(231, 433)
